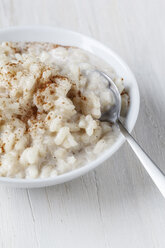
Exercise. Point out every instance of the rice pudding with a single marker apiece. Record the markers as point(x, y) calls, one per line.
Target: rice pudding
point(50, 109)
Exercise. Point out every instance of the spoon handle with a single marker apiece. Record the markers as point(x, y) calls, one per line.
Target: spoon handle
point(153, 170)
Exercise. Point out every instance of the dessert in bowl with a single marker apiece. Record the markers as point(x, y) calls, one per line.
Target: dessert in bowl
point(50, 109)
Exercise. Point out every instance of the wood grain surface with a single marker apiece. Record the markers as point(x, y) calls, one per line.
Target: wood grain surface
point(116, 205)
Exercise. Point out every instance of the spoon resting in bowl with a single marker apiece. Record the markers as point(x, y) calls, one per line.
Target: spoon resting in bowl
point(113, 115)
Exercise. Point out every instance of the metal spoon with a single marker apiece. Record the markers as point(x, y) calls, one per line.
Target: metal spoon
point(113, 116)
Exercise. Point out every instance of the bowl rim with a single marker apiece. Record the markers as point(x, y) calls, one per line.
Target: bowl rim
point(68, 176)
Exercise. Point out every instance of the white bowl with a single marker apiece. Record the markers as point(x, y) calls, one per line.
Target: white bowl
point(66, 37)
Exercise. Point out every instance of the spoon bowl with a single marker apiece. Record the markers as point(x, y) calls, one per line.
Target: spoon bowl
point(113, 114)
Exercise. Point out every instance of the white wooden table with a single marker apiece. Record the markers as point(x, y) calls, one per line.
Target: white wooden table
point(116, 205)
